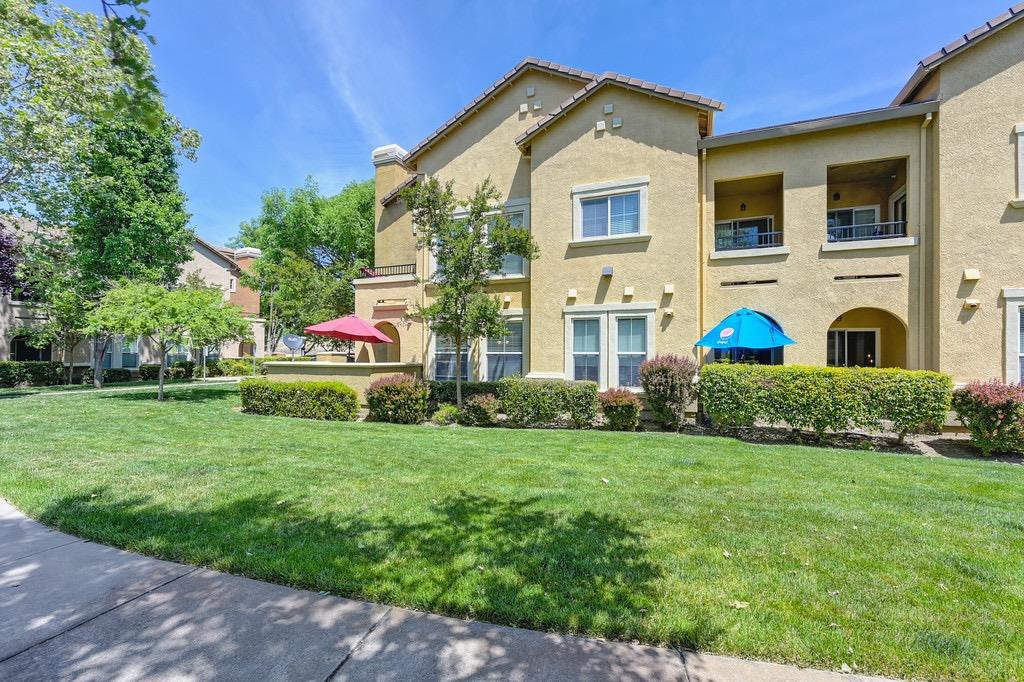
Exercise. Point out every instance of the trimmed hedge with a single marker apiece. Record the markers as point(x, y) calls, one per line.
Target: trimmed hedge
point(480, 410)
point(187, 367)
point(149, 372)
point(111, 375)
point(667, 381)
point(398, 399)
point(29, 373)
point(622, 408)
point(329, 400)
point(536, 402)
point(444, 391)
point(994, 414)
point(824, 398)
point(231, 367)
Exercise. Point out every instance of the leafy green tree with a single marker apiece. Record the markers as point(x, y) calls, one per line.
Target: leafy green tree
point(313, 247)
point(8, 262)
point(196, 315)
point(467, 250)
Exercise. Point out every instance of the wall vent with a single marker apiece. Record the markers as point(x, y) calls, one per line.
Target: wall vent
point(858, 278)
point(749, 282)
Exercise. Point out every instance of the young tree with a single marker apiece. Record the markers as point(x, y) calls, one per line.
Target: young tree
point(313, 247)
point(467, 251)
point(169, 317)
point(8, 262)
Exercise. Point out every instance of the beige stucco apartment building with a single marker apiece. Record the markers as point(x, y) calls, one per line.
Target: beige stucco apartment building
point(218, 266)
point(890, 237)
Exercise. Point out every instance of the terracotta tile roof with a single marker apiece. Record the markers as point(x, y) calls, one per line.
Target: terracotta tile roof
point(528, 63)
point(610, 77)
point(408, 182)
point(932, 61)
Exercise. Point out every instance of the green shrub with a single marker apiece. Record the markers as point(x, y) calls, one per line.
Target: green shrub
point(176, 373)
point(445, 414)
point(149, 372)
point(536, 402)
point(993, 412)
point(480, 410)
point(187, 367)
point(823, 398)
point(622, 409)
point(330, 400)
point(111, 375)
point(398, 399)
point(231, 367)
point(29, 373)
point(667, 381)
point(444, 391)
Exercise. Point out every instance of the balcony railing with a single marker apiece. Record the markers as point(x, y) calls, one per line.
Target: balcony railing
point(730, 240)
point(850, 233)
point(388, 270)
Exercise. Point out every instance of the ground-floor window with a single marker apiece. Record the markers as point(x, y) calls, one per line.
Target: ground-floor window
point(444, 360)
point(852, 348)
point(631, 349)
point(21, 351)
point(129, 353)
point(179, 353)
point(608, 346)
point(586, 349)
point(505, 354)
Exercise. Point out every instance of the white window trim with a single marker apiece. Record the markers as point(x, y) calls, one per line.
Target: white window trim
point(893, 198)
point(510, 315)
point(599, 190)
point(607, 315)
point(1014, 297)
point(232, 284)
point(1018, 202)
point(120, 354)
point(511, 206)
point(878, 340)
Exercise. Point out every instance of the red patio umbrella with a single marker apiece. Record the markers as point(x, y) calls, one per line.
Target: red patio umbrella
point(349, 328)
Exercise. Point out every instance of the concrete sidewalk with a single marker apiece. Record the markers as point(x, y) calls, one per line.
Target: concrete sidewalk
point(71, 609)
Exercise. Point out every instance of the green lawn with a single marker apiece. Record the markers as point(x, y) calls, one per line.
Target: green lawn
point(898, 564)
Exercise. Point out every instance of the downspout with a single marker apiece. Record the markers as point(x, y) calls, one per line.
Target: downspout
point(922, 283)
point(700, 247)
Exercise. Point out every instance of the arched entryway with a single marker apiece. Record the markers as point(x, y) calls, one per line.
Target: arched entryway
point(387, 352)
point(867, 337)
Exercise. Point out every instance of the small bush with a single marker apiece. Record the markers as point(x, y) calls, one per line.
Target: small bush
point(231, 367)
point(187, 367)
point(17, 373)
point(824, 398)
point(622, 409)
point(480, 410)
point(994, 414)
point(111, 375)
point(536, 402)
point(667, 381)
point(445, 415)
point(149, 372)
point(329, 400)
point(398, 399)
point(444, 391)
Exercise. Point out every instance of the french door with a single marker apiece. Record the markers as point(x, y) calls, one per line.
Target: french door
point(852, 348)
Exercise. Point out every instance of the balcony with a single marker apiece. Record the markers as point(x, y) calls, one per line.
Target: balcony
point(748, 217)
point(388, 270)
point(867, 205)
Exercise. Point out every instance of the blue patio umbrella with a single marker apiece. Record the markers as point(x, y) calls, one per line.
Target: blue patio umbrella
point(745, 328)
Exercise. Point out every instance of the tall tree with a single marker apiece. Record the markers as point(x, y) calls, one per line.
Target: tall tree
point(8, 262)
point(313, 247)
point(126, 218)
point(467, 250)
point(188, 315)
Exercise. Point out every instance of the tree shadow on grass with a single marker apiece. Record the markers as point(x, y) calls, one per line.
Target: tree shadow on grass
point(499, 560)
point(194, 394)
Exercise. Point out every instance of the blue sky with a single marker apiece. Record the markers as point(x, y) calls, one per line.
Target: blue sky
point(281, 90)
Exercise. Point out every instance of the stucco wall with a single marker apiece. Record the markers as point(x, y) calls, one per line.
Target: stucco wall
point(982, 93)
point(806, 297)
point(356, 375)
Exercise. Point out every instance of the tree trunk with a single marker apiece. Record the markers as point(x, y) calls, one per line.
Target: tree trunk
point(97, 362)
point(458, 371)
point(160, 374)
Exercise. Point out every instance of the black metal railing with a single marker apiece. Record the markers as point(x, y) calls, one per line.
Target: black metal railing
point(730, 240)
point(850, 233)
point(388, 270)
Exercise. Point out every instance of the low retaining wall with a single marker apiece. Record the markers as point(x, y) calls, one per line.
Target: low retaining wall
point(358, 375)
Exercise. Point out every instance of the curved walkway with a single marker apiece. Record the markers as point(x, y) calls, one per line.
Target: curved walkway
point(72, 609)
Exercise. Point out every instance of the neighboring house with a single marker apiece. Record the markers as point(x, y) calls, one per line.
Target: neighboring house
point(892, 237)
point(218, 266)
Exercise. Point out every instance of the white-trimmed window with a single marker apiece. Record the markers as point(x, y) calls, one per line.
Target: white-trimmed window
point(631, 349)
point(179, 353)
point(609, 210)
point(444, 359)
point(517, 213)
point(512, 265)
point(129, 353)
point(232, 284)
point(1018, 130)
point(608, 343)
point(505, 354)
point(586, 349)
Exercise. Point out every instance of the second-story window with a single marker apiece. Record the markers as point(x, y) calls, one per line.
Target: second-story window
point(611, 216)
point(746, 233)
point(512, 265)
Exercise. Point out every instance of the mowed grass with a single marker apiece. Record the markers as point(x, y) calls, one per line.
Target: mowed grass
point(896, 564)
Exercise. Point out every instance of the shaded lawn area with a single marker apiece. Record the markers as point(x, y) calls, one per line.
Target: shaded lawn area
point(897, 564)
